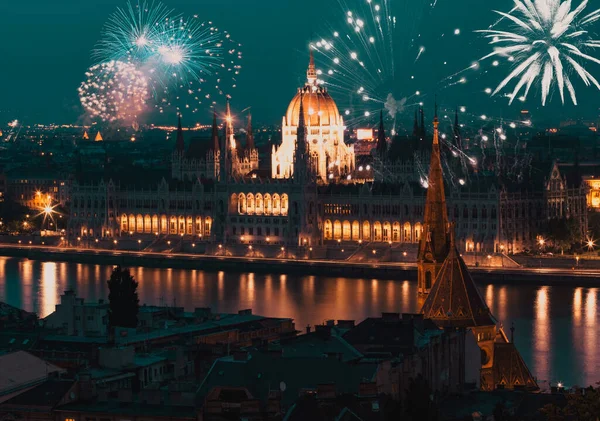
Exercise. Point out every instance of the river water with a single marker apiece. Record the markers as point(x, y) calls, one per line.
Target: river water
point(556, 327)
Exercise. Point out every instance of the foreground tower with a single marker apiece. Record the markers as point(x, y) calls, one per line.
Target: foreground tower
point(434, 243)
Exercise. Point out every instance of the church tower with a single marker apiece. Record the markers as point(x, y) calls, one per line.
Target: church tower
point(434, 243)
point(301, 158)
point(382, 146)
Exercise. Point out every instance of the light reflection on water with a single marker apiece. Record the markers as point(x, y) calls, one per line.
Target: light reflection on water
point(555, 326)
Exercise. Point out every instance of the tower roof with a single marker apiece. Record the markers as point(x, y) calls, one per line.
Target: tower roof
point(433, 245)
point(454, 300)
point(249, 134)
point(381, 141)
point(311, 73)
point(215, 133)
point(98, 137)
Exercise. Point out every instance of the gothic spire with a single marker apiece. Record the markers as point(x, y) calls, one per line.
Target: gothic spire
point(422, 131)
point(381, 142)
point(215, 133)
point(311, 73)
point(179, 143)
point(416, 125)
point(434, 243)
point(249, 134)
point(456, 130)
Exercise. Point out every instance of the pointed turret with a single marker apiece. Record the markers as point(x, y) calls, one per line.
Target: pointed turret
point(381, 141)
point(301, 152)
point(215, 133)
point(434, 243)
point(456, 131)
point(249, 134)
point(311, 73)
point(423, 132)
point(179, 143)
point(98, 137)
point(85, 135)
point(230, 141)
point(416, 126)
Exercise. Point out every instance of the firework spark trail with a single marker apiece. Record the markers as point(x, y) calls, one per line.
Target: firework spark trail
point(186, 61)
point(546, 41)
point(114, 91)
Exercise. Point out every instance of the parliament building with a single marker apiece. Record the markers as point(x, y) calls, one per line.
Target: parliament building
point(314, 193)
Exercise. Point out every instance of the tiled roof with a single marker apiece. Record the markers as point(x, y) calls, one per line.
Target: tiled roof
point(454, 300)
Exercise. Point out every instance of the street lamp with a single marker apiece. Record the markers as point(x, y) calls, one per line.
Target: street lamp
point(577, 261)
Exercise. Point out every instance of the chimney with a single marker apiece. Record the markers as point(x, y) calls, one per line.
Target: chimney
point(245, 312)
point(307, 329)
point(345, 324)
point(330, 323)
point(323, 331)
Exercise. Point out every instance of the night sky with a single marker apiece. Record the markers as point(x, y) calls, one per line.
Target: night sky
point(46, 49)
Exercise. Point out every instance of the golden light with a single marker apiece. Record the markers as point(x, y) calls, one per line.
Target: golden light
point(590, 244)
point(541, 241)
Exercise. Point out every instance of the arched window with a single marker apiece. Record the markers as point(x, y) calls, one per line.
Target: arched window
point(250, 204)
point(396, 232)
point(337, 230)
point(181, 227)
point(346, 231)
point(465, 212)
point(484, 212)
point(207, 226)
point(377, 235)
point(366, 231)
point(276, 204)
point(328, 230)
point(233, 203)
point(474, 212)
point(139, 226)
point(164, 228)
point(131, 223)
point(147, 224)
point(387, 231)
point(493, 212)
point(155, 223)
point(284, 204)
point(198, 225)
point(259, 204)
point(189, 225)
point(355, 231)
point(418, 231)
point(267, 204)
point(124, 225)
point(407, 236)
point(242, 203)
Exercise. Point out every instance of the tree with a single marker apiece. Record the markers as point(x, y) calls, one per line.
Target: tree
point(583, 405)
point(123, 299)
point(563, 232)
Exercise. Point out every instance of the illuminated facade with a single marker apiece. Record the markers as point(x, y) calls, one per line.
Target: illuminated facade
point(329, 156)
point(216, 191)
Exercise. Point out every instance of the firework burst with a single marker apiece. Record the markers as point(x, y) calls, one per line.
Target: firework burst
point(185, 62)
point(548, 41)
point(114, 91)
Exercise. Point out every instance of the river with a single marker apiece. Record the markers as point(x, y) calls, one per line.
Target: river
point(556, 327)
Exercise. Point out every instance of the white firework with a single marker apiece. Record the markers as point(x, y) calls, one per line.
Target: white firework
point(548, 41)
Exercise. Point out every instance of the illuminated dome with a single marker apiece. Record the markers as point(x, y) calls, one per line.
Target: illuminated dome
point(319, 107)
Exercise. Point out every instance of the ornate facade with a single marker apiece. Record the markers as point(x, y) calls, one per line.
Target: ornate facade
point(331, 159)
point(216, 191)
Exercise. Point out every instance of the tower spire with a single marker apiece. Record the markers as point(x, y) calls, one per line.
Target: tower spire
point(456, 130)
point(416, 125)
point(435, 242)
point(300, 154)
point(311, 73)
point(249, 134)
point(422, 123)
point(381, 142)
point(215, 133)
